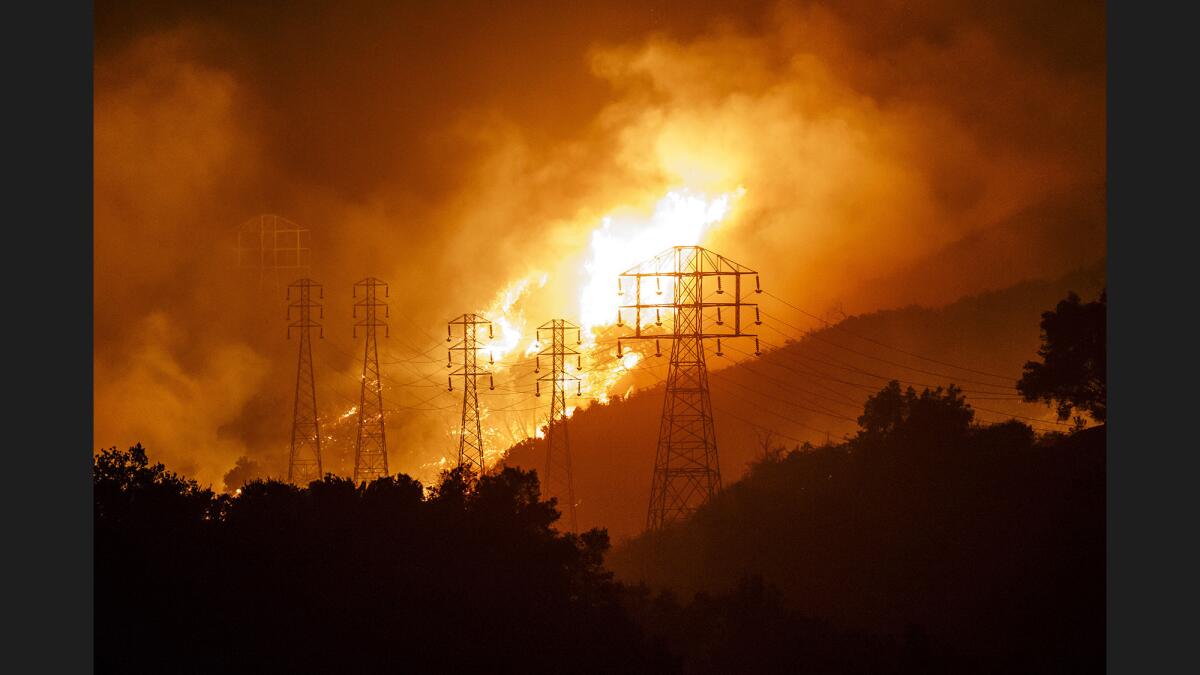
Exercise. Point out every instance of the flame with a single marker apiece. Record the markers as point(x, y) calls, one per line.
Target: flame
point(681, 218)
point(508, 324)
point(604, 374)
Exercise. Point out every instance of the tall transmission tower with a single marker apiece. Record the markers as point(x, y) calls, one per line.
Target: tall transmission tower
point(558, 480)
point(370, 448)
point(304, 462)
point(470, 436)
point(686, 468)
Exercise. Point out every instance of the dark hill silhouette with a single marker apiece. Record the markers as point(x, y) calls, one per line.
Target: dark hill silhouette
point(987, 539)
point(812, 387)
point(929, 541)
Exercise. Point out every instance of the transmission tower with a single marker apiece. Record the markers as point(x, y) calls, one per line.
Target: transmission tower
point(558, 480)
point(273, 244)
point(370, 449)
point(686, 467)
point(470, 436)
point(304, 462)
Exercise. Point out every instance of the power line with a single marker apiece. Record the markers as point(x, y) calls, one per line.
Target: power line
point(759, 426)
point(817, 336)
point(791, 403)
point(887, 378)
point(971, 397)
point(399, 386)
point(887, 346)
point(786, 384)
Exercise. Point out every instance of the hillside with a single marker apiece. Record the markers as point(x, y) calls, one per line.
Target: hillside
point(809, 386)
point(988, 543)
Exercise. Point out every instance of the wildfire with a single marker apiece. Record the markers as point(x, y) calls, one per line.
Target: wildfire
point(680, 218)
point(508, 321)
point(605, 374)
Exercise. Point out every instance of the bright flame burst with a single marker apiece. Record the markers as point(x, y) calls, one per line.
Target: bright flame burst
point(681, 218)
point(508, 324)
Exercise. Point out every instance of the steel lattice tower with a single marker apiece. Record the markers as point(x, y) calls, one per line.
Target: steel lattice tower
point(370, 448)
point(687, 470)
point(470, 436)
point(304, 461)
point(558, 480)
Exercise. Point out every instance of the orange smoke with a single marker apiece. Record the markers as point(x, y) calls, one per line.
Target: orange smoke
point(866, 156)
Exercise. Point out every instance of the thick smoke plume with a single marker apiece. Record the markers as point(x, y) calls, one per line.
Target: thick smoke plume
point(883, 154)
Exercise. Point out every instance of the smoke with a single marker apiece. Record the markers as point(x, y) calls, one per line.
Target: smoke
point(454, 158)
point(850, 175)
point(177, 412)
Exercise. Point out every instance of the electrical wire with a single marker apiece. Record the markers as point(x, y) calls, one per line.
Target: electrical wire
point(885, 345)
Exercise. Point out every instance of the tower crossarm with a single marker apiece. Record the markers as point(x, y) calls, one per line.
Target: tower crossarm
point(686, 295)
point(688, 292)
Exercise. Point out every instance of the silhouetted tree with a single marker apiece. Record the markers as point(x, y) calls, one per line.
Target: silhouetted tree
point(128, 490)
point(1073, 372)
point(893, 418)
point(381, 577)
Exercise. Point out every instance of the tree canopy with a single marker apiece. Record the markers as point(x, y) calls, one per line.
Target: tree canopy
point(1072, 374)
point(387, 576)
point(981, 544)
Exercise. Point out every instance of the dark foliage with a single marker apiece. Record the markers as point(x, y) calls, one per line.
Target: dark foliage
point(976, 548)
point(925, 544)
point(377, 578)
point(751, 629)
point(930, 420)
point(1073, 373)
